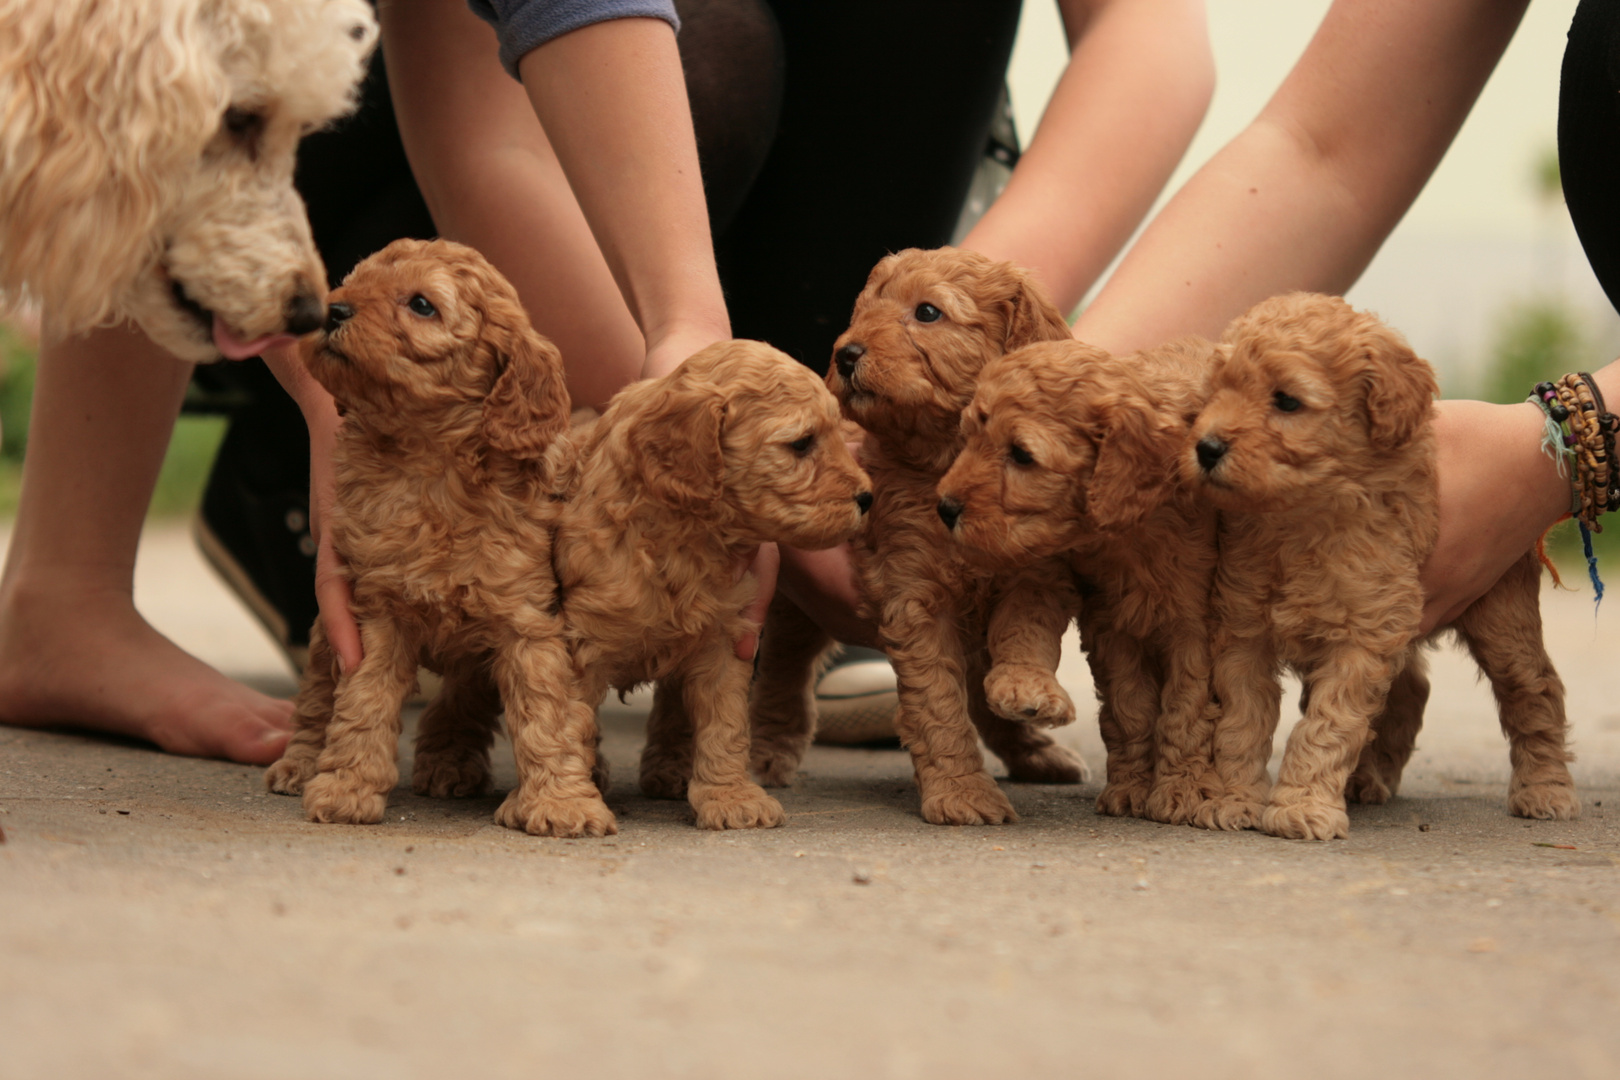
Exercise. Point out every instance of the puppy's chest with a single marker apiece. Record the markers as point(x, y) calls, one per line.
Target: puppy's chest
point(905, 543)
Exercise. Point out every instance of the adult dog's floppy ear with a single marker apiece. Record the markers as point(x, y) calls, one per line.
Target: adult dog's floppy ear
point(1400, 389)
point(1032, 316)
point(527, 408)
point(1137, 458)
point(676, 447)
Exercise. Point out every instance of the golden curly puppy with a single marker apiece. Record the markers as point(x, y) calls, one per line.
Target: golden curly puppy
point(971, 645)
point(448, 486)
point(1317, 444)
point(146, 162)
point(680, 480)
point(1070, 451)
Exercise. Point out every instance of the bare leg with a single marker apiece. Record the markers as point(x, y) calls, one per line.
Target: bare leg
point(104, 405)
point(782, 704)
point(1503, 631)
point(455, 732)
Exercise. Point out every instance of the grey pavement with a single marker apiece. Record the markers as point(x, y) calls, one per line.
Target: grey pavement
point(166, 917)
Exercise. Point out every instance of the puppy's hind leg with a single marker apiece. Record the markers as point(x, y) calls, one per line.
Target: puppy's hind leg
point(1378, 774)
point(1502, 630)
point(455, 732)
point(666, 760)
point(312, 712)
point(793, 650)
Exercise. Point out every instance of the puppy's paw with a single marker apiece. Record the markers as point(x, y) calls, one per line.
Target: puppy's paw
point(1029, 695)
point(1367, 786)
point(1050, 764)
point(774, 766)
point(1297, 814)
point(340, 798)
point(740, 806)
point(289, 775)
point(450, 776)
point(966, 800)
point(1229, 813)
point(665, 778)
point(539, 815)
point(1175, 800)
point(1551, 801)
point(1124, 798)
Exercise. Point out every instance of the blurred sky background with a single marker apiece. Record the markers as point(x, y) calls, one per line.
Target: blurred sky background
point(1478, 241)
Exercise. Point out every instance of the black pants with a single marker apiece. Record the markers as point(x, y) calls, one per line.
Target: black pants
point(1589, 137)
point(830, 133)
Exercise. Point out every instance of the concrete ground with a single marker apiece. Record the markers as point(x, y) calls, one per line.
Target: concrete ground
point(166, 917)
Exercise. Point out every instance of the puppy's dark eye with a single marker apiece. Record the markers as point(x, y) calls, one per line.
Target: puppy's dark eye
point(802, 445)
point(1019, 455)
point(1285, 403)
point(926, 313)
point(422, 306)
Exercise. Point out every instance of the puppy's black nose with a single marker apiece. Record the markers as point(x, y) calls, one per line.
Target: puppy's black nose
point(864, 501)
point(338, 314)
point(304, 314)
point(848, 357)
point(1210, 452)
point(949, 511)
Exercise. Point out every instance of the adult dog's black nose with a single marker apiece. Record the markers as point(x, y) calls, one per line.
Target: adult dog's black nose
point(1210, 452)
point(304, 314)
point(338, 314)
point(864, 501)
point(949, 511)
point(848, 357)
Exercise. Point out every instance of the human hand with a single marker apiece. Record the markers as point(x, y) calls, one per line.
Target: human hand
point(825, 587)
point(1498, 495)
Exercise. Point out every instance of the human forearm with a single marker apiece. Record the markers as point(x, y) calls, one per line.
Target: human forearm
point(1304, 197)
point(612, 100)
point(1136, 87)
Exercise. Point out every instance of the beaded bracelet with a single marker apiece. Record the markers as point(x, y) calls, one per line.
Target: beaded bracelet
point(1582, 430)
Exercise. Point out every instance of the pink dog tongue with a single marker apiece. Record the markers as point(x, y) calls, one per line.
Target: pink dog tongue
point(235, 348)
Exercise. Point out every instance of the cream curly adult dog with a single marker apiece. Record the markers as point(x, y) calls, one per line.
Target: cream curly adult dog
point(973, 647)
point(146, 162)
point(450, 477)
point(1317, 443)
point(1073, 452)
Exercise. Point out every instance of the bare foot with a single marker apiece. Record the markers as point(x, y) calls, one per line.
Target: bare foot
point(95, 664)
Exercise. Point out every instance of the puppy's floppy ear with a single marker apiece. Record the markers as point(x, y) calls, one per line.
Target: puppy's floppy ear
point(1032, 316)
point(1137, 462)
point(676, 447)
point(1400, 388)
point(527, 408)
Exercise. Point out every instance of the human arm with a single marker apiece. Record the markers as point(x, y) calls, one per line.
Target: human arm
point(321, 416)
point(1139, 79)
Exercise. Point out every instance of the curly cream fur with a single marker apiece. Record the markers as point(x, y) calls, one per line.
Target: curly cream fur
point(972, 646)
point(450, 474)
point(1317, 444)
point(680, 479)
point(119, 180)
point(1070, 451)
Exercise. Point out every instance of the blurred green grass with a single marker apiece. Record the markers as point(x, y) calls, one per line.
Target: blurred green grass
point(185, 466)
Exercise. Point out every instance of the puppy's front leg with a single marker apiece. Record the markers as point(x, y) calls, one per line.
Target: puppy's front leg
point(1184, 778)
point(666, 760)
point(923, 643)
point(1348, 688)
point(359, 767)
point(312, 712)
point(1377, 776)
point(715, 685)
point(1244, 676)
point(1126, 720)
point(1021, 690)
point(782, 703)
point(554, 740)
